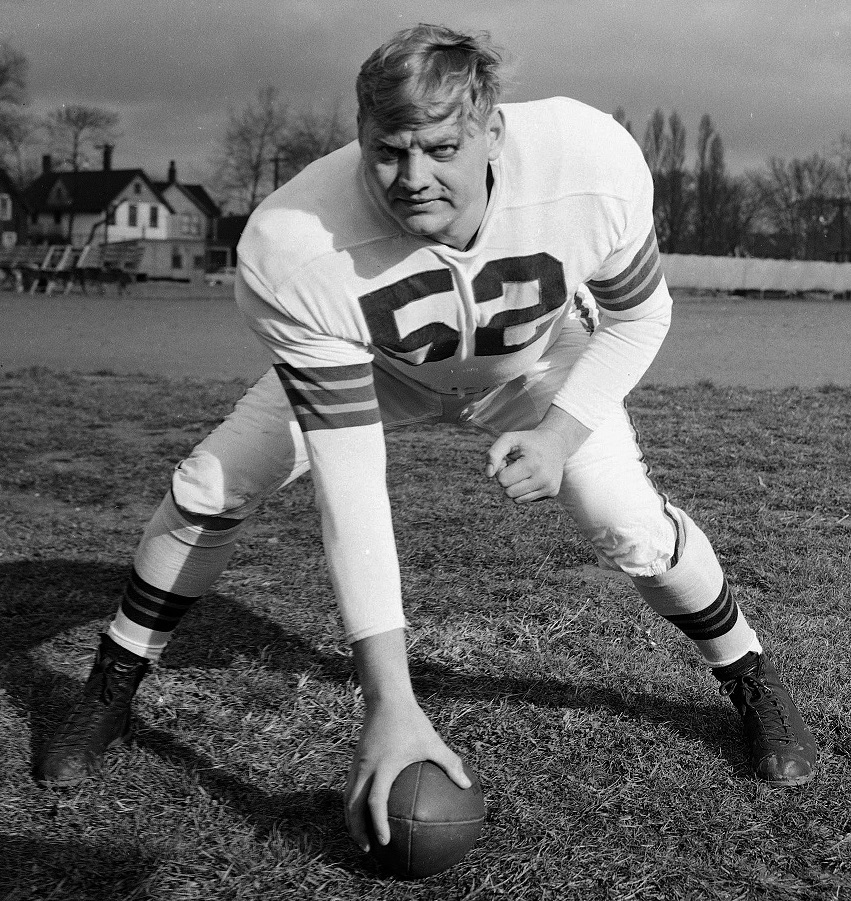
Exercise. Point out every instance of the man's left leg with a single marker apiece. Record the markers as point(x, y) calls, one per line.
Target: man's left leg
point(184, 549)
point(633, 528)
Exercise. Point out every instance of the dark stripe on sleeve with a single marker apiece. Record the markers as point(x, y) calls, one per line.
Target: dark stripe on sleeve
point(713, 621)
point(331, 397)
point(635, 284)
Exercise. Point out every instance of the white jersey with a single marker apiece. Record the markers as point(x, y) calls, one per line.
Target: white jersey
point(336, 278)
point(328, 280)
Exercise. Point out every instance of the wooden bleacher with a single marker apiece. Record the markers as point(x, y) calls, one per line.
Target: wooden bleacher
point(61, 267)
point(19, 265)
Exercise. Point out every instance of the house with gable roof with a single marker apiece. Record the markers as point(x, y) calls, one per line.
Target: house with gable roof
point(190, 226)
point(171, 222)
point(14, 213)
point(103, 206)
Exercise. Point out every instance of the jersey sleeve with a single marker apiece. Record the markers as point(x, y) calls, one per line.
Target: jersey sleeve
point(634, 303)
point(629, 284)
point(329, 383)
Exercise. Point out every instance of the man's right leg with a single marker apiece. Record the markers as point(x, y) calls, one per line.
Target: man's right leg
point(186, 546)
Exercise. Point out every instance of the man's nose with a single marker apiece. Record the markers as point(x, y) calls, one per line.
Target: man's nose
point(414, 172)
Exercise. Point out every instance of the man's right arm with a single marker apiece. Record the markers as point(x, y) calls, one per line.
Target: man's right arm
point(395, 733)
point(330, 387)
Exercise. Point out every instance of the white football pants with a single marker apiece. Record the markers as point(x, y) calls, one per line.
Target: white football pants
point(258, 449)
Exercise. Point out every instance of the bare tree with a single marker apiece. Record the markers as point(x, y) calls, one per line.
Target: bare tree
point(793, 199)
point(19, 133)
point(619, 115)
point(676, 199)
point(310, 136)
point(739, 210)
point(712, 190)
point(266, 143)
point(664, 148)
point(75, 130)
point(244, 159)
point(841, 156)
point(16, 126)
point(13, 74)
point(653, 144)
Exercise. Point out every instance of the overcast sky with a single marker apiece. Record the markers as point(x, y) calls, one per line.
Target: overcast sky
point(774, 75)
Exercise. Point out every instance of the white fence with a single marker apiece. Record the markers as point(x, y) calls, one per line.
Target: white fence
point(746, 274)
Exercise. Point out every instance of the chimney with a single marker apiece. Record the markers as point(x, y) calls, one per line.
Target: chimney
point(107, 157)
point(46, 164)
point(172, 173)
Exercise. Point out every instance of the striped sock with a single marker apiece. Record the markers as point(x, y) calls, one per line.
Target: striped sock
point(147, 617)
point(711, 622)
point(694, 596)
point(178, 560)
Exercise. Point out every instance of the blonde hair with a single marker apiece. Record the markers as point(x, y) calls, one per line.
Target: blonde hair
point(424, 74)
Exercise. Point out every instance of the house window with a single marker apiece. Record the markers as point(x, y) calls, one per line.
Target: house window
point(132, 215)
point(5, 207)
point(176, 257)
point(110, 216)
point(137, 188)
point(190, 224)
point(154, 220)
point(57, 218)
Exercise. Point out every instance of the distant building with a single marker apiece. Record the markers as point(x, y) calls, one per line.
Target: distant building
point(226, 235)
point(191, 227)
point(14, 213)
point(105, 206)
point(175, 222)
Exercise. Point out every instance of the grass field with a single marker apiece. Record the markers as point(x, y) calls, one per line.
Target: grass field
point(611, 767)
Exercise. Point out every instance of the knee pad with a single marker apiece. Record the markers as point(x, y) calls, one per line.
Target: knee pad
point(696, 576)
point(637, 549)
point(203, 491)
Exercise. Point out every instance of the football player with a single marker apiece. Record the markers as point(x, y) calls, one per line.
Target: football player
point(464, 261)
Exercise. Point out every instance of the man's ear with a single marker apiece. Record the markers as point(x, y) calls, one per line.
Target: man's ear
point(496, 134)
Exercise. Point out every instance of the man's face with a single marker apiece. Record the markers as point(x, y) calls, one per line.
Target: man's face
point(434, 178)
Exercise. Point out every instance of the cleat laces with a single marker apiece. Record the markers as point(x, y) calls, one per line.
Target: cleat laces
point(751, 695)
point(115, 680)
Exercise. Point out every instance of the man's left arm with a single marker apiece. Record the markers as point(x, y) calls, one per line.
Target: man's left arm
point(635, 314)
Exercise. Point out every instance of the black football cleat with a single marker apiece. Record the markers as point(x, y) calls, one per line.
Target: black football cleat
point(782, 750)
point(100, 720)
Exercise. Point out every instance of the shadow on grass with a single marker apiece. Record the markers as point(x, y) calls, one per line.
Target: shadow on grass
point(32, 868)
point(34, 613)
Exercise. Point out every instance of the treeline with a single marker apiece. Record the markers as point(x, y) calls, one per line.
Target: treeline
point(69, 133)
point(267, 142)
point(792, 209)
point(262, 145)
point(788, 209)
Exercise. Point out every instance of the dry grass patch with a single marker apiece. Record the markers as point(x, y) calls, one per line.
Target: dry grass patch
point(611, 767)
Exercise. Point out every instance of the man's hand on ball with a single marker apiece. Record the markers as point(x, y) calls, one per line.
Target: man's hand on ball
point(395, 734)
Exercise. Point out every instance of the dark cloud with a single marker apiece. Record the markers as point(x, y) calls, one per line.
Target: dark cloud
point(775, 75)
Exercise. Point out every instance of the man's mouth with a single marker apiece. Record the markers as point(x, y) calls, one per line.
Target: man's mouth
point(417, 203)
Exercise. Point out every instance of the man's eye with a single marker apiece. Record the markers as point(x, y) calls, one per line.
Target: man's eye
point(444, 150)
